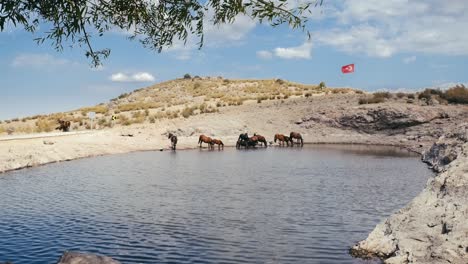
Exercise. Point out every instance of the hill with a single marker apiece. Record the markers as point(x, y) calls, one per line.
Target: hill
point(178, 98)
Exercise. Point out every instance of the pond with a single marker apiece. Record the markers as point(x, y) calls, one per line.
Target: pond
point(274, 205)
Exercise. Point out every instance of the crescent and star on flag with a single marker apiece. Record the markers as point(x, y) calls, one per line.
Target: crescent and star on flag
point(348, 68)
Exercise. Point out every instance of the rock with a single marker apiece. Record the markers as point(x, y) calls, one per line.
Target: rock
point(82, 258)
point(386, 118)
point(48, 142)
point(433, 228)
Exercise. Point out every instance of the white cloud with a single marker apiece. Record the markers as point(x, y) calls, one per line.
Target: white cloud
point(409, 60)
point(137, 77)
point(300, 52)
point(38, 61)
point(214, 36)
point(384, 28)
point(264, 54)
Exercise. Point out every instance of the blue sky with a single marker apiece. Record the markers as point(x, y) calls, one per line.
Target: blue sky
point(395, 45)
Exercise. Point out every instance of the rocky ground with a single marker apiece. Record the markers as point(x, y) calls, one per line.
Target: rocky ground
point(431, 229)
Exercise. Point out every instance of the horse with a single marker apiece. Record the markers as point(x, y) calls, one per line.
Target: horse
point(282, 138)
point(298, 137)
point(218, 142)
point(63, 125)
point(173, 139)
point(260, 139)
point(205, 139)
point(245, 141)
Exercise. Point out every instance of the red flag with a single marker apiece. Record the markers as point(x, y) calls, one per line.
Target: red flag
point(348, 68)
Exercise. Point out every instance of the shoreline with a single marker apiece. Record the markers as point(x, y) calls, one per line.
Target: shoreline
point(185, 148)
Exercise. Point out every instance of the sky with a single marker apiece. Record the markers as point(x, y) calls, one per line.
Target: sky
point(395, 45)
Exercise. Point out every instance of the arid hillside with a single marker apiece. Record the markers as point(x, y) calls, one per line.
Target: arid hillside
point(178, 98)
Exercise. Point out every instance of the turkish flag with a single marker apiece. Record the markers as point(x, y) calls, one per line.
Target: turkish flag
point(348, 68)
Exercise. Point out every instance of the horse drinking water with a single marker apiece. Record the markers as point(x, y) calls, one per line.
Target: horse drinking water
point(173, 139)
point(207, 140)
point(298, 138)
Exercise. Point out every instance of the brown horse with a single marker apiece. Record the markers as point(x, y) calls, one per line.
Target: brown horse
point(282, 138)
point(298, 137)
point(260, 139)
point(218, 142)
point(207, 140)
point(63, 125)
point(173, 139)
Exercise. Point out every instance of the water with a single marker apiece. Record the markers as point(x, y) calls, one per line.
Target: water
point(279, 205)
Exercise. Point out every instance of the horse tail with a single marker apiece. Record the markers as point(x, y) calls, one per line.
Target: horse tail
point(276, 137)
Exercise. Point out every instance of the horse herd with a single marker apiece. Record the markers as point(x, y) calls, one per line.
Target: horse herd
point(244, 140)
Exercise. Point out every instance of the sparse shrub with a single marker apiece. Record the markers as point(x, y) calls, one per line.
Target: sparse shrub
point(152, 119)
point(456, 95)
point(219, 104)
point(122, 96)
point(358, 91)
point(308, 95)
point(187, 76)
point(371, 100)
point(146, 112)
point(383, 95)
point(102, 121)
point(24, 120)
point(15, 119)
point(279, 81)
point(226, 81)
point(188, 111)
point(196, 85)
point(400, 95)
point(45, 125)
point(259, 101)
point(411, 96)
point(322, 85)
point(285, 96)
point(10, 130)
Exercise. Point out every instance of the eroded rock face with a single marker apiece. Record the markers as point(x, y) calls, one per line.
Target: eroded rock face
point(447, 148)
point(433, 228)
point(384, 118)
point(81, 258)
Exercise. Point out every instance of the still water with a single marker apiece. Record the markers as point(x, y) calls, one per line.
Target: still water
point(279, 205)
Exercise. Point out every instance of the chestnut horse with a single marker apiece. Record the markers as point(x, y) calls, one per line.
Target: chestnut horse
point(282, 138)
point(298, 138)
point(173, 139)
point(218, 142)
point(260, 139)
point(207, 140)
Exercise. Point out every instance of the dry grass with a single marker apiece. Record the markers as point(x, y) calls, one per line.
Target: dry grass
point(457, 95)
point(173, 99)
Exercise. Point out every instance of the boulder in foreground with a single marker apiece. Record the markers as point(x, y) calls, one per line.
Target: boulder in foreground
point(82, 258)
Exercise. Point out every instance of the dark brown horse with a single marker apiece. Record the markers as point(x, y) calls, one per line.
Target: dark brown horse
point(282, 138)
point(218, 142)
point(207, 140)
point(260, 139)
point(63, 125)
point(173, 139)
point(298, 137)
